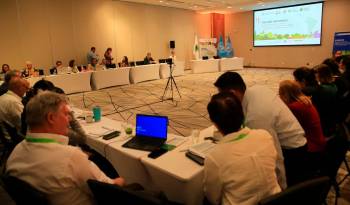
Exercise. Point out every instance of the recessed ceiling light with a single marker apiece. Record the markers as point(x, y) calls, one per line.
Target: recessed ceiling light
point(229, 7)
point(160, 1)
point(241, 8)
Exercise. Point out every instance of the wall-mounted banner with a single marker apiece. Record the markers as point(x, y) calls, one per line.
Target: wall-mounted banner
point(341, 43)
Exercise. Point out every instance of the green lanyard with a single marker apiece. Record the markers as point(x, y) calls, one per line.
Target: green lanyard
point(41, 140)
point(239, 137)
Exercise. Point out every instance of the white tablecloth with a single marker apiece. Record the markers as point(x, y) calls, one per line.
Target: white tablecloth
point(71, 83)
point(204, 66)
point(144, 73)
point(33, 80)
point(231, 64)
point(178, 69)
point(173, 173)
point(109, 78)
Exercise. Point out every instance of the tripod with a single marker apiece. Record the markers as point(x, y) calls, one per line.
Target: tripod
point(169, 84)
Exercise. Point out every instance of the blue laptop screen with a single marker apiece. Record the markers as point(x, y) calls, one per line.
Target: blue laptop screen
point(151, 126)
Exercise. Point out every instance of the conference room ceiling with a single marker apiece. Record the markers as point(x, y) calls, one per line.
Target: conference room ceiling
point(221, 6)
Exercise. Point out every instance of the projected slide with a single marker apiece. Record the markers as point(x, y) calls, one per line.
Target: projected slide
point(296, 25)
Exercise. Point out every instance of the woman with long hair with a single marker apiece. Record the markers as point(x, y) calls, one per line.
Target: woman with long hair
point(307, 115)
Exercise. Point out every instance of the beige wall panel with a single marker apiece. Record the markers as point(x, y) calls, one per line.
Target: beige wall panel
point(158, 32)
point(10, 51)
point(137, 18)
point(240, 28)
point(203, 25)
point(34, 32)
point(123, 30)
point(61, 30)
point(92, 26)
point(182, 30)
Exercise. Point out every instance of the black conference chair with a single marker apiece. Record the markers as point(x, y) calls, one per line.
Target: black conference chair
point(7, 146)
point(15, 136)
point(111, 194)
point(106, 194)
point(337, 147)
point(22, 192)
point(311, 192)
point(9, 138)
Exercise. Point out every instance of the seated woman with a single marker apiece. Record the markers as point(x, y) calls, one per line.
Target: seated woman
point(125, 62)
point(325, 99)
point(109, 58)
point(307, 80)
point(4, 69)
point(72, 68)
point(241, 168)
point(307, 115)
point(333, 65)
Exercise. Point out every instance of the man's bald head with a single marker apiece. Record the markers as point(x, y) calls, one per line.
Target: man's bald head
point(18, 86)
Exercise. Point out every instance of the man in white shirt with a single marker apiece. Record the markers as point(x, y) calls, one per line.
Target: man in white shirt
point(11, 106)
point(240, 170)
point(46, 161)
point(92, 55)
point(263, 109)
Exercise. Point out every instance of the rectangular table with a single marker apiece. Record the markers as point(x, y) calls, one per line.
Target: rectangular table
point(173, 173)
point(71, 83)
point(33, 80)
point(178, 69)
point(205, 66)
point(144, 73)
point(109, 78)
point(234, 63)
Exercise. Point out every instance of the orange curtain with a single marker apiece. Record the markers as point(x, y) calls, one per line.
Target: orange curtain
point(218, 26)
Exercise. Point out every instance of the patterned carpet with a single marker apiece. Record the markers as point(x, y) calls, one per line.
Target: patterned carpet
point(185, 113)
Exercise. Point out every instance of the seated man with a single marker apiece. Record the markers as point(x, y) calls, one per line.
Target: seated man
point(148, 59)
point(4, 87)
point(46, 161)
point(11, 106)
point(29, 70)
point(263, 109)
point(54, 70)
point(241, 168)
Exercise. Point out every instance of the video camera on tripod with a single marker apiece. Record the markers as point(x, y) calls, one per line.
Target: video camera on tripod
point(169, 61)
point(171, 81)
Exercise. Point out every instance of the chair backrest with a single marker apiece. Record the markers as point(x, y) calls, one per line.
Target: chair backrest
point(7, 145)
point(15, 136)
point(313, 192)
point(336, 152)
point(22, 192)
point(112, 194)
point(140, 62)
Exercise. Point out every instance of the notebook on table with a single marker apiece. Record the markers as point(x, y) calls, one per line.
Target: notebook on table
point(151, 132)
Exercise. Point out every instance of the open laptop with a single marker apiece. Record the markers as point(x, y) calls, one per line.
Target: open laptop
point(151, 132)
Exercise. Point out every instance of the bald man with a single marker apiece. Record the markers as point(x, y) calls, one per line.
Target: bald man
point(11, 106)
